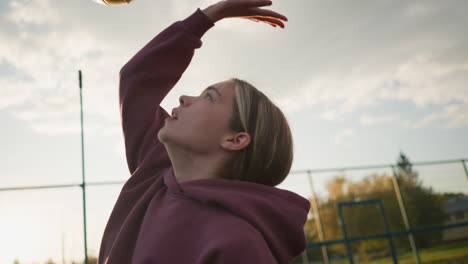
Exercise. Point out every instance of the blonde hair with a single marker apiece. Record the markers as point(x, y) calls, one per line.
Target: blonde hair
point(268, 158)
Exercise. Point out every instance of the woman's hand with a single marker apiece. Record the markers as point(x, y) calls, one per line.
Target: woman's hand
point(248, 9)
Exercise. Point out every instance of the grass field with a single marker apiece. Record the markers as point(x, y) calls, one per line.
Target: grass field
point(454, 253)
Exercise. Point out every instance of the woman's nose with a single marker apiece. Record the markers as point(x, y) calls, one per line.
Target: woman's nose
point(183, 100)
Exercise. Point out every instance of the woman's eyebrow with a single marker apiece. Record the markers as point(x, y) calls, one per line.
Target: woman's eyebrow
point(213, 89)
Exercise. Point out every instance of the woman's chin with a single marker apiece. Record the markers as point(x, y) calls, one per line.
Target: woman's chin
point(162, 135)
point(166, 136)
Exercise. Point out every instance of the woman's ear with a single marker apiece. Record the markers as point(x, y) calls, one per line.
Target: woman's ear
point(236, 141)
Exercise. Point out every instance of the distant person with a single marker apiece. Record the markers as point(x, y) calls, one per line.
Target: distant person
point(201, 186)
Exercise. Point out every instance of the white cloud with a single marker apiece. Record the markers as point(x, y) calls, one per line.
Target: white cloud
point(452, 116)
point(11, 94)
point(32, 12)
point(428, 81)
point(367, 119)
point(417, 56)
point(343, 136)
point(51, 56)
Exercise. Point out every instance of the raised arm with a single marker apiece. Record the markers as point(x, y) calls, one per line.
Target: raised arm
point(147, 78)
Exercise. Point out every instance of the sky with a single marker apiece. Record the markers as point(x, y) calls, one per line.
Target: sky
point(359, 81)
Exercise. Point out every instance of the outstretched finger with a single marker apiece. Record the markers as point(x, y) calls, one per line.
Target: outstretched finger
point(259, 12)
point(256, 20)
point(271, 21)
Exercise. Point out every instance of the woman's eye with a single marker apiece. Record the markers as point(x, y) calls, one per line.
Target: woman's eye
point(207, 95)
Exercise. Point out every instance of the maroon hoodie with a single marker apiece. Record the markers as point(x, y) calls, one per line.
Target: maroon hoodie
point(158, 220)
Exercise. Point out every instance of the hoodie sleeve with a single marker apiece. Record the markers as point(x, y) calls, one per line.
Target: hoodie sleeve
point(148, 77)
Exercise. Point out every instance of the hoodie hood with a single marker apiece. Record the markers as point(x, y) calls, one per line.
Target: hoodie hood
point(279, 215)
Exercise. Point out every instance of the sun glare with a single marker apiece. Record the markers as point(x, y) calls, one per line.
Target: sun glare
point(24, 238)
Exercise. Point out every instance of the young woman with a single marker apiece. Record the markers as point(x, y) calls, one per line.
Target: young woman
point(202, 179)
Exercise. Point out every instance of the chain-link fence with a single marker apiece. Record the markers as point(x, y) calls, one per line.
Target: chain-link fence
point(406, 212)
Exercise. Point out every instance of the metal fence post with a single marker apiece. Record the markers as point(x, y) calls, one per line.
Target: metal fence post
point(82, 185)
point(387, 231)
point(464, 168)
point(318, 220)
point(305, 258)
point(345, 234)
point(404, 214)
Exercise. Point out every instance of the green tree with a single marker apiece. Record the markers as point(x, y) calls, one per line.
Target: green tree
point(404, 173)
point(423, 205)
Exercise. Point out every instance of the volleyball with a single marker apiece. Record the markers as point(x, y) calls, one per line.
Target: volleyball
point(113, 2)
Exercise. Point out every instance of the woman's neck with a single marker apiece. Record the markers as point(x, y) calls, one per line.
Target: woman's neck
point(189, 166)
